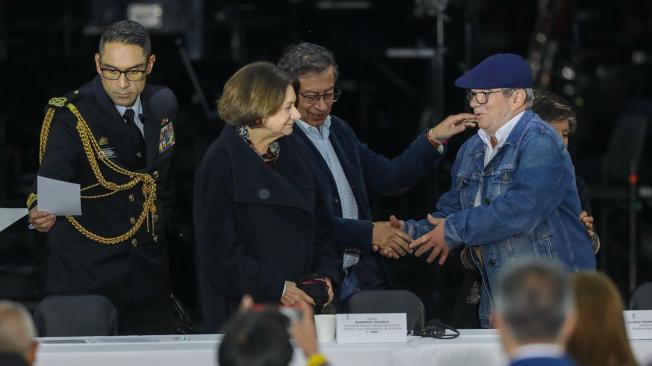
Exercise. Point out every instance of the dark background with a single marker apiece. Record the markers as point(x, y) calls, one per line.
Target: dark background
point(597, 54)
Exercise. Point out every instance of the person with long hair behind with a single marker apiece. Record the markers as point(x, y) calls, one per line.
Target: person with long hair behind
point(600, 338)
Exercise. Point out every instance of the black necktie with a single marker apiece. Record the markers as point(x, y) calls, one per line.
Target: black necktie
point(137, 140)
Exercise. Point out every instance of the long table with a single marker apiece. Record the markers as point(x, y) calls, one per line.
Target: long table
point(473, 347)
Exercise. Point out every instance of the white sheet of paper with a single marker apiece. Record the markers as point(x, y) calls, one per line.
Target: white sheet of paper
point(57, 197)
point(371, 328)
point(639, 323)
point(10, 215)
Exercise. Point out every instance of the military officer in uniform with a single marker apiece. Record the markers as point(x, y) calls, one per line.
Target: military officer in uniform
point(115, 137)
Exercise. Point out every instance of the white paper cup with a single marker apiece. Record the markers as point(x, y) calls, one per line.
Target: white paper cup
point(325, 326)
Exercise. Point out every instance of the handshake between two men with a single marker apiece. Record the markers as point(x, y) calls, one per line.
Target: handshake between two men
point(388, 237)
point(391, 241)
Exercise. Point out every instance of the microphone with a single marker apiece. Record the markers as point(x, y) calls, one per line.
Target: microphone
point(141, 117)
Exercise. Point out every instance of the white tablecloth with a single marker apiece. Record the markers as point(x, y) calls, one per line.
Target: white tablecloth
point(473, 347)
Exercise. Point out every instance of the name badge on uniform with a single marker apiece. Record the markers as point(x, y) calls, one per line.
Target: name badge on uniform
point(166, 139)
point(105, 150)
point(108, 152)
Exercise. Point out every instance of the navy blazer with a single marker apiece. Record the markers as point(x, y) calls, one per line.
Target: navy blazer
point(543, 361)
point(256, 226)
point(366, 170)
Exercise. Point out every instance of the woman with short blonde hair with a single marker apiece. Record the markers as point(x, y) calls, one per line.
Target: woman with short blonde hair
point(260, 221)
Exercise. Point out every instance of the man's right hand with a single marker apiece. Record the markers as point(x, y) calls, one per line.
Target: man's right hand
point(40, 220)
point(395, 222)
point(390, 240)
point(293, 295)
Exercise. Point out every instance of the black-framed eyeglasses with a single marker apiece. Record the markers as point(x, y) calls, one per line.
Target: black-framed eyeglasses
point(313, 98)
point(482, 97)
point(111, 73)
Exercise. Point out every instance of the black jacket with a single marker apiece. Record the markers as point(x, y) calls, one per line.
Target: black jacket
point(12, 359)
point(256, 226)
point(135, 269)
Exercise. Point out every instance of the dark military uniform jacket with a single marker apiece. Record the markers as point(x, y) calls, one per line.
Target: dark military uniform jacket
point(134, 269)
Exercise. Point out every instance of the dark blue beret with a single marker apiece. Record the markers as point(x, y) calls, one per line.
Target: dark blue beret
point(502, 70)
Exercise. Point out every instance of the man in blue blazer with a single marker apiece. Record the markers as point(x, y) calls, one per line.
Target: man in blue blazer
point(346, 168)
point(534, 311)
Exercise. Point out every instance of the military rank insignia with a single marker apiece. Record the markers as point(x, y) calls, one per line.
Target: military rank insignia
point(166, 139)
point(105, 150)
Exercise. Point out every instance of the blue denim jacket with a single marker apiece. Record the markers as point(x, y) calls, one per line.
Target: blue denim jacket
point(529, 205)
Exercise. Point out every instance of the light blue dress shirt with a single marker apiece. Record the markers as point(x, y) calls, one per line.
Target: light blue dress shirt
point(319, 138)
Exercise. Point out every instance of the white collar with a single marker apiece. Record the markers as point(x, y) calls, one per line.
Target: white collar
point(502, 133)
point(137, 107)
point(535, 350)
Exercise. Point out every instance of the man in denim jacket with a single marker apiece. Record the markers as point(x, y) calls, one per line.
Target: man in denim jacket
point(513, 191)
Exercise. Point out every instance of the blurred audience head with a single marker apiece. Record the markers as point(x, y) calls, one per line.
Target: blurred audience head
point(17, 332)
point(555, 110)
point(256, 338)
point(533, 304)
point(600, 337)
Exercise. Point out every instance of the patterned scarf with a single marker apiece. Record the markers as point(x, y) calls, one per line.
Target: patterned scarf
point(270, 157)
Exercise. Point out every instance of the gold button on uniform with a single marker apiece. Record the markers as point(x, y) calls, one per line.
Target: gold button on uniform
point(132, 220)
point(134, 242)
point(132, 198)
point(155, 174)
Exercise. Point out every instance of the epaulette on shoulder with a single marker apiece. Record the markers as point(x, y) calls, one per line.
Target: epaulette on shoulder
point(58, 102)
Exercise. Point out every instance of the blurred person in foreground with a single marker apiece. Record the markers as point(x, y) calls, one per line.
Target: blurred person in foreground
point(261, 338)
point(349, 171)
point(260, 224)
point(18, 344)
point(513, 193)
point(600, 337)
point(559, 113)
point(534, 312)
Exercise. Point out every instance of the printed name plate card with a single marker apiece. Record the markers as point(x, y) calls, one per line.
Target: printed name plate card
point(639, 324)
point(371, 328)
